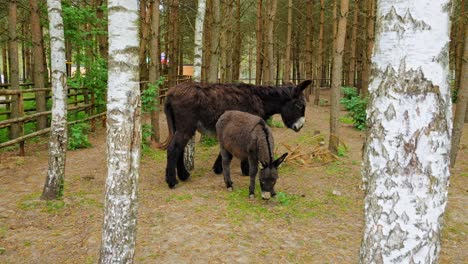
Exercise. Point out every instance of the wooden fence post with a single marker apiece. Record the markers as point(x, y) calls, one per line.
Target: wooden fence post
point(21, 124)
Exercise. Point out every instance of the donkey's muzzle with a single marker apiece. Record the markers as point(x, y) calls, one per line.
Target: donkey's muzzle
point(266, 195)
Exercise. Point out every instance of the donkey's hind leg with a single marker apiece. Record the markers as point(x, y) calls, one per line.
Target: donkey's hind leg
point(245, 167)
point(182, 172)
point(218, 166)
point(227, 157)
point(175, 152)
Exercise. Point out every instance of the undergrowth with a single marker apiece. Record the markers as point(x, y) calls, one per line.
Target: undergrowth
point(356, 105)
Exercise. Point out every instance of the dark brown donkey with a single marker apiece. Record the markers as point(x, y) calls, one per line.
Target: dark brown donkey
point(192, 106)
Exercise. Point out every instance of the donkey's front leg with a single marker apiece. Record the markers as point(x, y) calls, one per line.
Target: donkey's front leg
point(226, 163)
point(253, 167)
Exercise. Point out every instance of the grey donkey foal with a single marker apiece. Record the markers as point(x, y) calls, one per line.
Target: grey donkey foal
point(247, 137)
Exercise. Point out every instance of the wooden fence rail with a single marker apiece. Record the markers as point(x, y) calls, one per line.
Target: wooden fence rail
point(17, 116)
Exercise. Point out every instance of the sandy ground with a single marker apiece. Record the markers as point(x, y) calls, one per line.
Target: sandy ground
point(199, 221)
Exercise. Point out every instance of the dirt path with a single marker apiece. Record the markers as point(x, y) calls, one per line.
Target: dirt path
point(199, 221)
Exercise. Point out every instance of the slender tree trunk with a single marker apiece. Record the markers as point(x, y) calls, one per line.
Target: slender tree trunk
point(173, 40)
point(53, 187)
point(214, 56)
point(259, 56)
point(287, 59)
point(189, 152)
point(459, 46)
point(15, 129)
point(144, 31)
point(370, 45)
point(123, 135)
point(236, 53)
point(270, 60)
point(337, 76)
point(198, 51)
point(207, 35)
point(352, 61)
point(154, 67)
point(309, 44)
point(462, 101)
point(68, 55)
point(38, 63)
point(102, 38)
point(320, 54)
point(225, 69)
point(406, 155)
point(5, 64)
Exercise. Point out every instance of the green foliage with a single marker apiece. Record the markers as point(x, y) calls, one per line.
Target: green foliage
point(285, 199)
point(342, 151)
point(78, 136)
point(274, 123)
point(356, 105)
point(208, 141)
point(149, 97)
point(146, 134)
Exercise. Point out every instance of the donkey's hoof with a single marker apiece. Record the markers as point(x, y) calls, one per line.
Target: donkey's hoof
point(172, 184)
point(229, 189)
point(252, 196)
point(184, 176)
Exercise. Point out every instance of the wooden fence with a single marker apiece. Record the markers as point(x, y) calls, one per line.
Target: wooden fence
point(14, 113)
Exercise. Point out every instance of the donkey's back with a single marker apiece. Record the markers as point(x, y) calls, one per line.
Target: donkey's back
point(205, 103)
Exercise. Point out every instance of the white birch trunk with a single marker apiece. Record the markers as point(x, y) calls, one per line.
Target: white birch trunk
point(53, 187)
point(406, 158)
point(123, 134)
point(189, 152)
point(198, 51)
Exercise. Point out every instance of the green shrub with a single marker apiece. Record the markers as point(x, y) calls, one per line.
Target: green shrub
point(356, 105)
point(78, 136)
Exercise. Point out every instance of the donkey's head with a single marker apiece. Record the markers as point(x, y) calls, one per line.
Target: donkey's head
point(293, 110)
point(268, 177)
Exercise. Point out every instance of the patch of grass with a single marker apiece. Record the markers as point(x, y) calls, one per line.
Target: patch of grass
point(342, 150)
point(157, 155)
point(287, 169)
point(335, 168)
point(32, 202)
point(346, 120)
point(27, 243)
point(283, 206)
point(183, 197)
point(341, 201)
point(285, 199)
point(464, 174)
point(3, 230)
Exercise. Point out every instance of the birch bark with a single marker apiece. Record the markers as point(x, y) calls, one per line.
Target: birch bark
point(406, 156)
point(53, 187)
point(123, 134)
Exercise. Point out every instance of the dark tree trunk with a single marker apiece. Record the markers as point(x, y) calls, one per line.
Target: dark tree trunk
point(144, 20)
point(320, 67)
point(259, 60)
point(236, 53)
point(15, 129)
point(154, 66)
point(38, 57)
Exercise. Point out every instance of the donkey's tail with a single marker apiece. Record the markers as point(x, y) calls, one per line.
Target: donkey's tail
point(170, 125)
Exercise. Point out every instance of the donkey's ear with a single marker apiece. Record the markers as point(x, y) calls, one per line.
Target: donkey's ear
point(279, 160)
point(300, 87)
